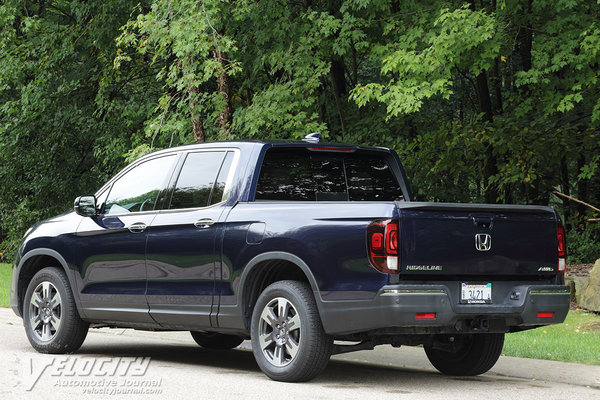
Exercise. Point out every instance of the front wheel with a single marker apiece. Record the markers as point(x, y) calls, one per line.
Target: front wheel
point(50, 315)
point(288, 340)
point(466, 355)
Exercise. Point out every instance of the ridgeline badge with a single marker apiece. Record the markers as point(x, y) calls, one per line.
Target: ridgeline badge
point(423, 267)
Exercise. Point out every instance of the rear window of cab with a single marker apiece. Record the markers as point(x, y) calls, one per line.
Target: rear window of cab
point(299, 174)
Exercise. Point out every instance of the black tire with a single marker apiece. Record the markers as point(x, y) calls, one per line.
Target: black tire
point(304, 347)
point(216, 341)
point(66, 335)
point(473, 354)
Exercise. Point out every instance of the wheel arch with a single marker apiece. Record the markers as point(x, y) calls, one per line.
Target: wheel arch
point(36, 260)
point(267, 268)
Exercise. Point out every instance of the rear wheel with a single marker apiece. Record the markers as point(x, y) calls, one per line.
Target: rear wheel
point(288, 339)
point(50, 316)
point(216, 341)
point(466, 355)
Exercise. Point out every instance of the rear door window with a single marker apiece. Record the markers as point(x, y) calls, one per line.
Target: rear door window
point(298, 174)
point(196, 180)
point(220, 191)
point(203, 179)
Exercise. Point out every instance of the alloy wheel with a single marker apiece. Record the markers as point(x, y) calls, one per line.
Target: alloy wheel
point(279, 332)
point(45, 311)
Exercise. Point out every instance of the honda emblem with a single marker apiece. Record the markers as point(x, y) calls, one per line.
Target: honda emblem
point(483, 242)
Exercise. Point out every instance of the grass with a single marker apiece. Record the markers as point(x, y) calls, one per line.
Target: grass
point(5, 277)
point(575, 340)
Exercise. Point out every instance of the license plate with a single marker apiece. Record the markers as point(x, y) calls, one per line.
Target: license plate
point(476, 293)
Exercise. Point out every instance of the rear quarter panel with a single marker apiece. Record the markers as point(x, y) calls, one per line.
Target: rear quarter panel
point(329, 237)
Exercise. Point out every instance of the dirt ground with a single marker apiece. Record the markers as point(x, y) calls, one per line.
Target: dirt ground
point(579, 269)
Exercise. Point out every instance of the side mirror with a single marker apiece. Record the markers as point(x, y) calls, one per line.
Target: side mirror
point(85, 206)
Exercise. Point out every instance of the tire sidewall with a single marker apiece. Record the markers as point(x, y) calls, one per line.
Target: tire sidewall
point(304, 354)
point(50, 275)
point(476, 357)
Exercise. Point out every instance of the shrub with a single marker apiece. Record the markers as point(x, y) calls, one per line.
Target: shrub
point(583, 247)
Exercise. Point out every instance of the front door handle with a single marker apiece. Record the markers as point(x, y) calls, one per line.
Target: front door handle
point(204, 223)
point(138, 227)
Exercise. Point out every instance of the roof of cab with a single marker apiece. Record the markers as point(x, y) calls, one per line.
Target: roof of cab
point(270, 143)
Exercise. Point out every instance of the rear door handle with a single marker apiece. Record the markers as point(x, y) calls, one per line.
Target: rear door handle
point(204, 223)
point(137, 227)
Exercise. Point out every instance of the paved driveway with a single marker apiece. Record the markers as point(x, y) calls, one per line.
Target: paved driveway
point(115, 364)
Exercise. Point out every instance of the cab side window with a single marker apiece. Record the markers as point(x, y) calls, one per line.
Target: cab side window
point(138, 189)
point(202, 179)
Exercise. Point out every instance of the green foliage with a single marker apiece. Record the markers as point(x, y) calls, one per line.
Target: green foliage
point(583, 247)
point(178, 40)
point(421, 62)
point(482, 100)
point(58, 130)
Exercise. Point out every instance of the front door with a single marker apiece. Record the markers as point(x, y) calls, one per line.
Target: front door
point(111, 246)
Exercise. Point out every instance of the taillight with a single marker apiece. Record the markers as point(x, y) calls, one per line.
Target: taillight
point(382, 242)
point(545, 315)
point(429, 315)
point(562, 249)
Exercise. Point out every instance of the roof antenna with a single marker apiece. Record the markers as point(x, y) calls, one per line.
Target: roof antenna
point(312, 137)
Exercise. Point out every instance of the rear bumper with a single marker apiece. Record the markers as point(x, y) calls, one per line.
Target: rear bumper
point(393, 309)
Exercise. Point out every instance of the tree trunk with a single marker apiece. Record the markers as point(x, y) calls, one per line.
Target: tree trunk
point(224, 90)
point(490, 167)
point(565, 187)
point(525, 39)
point(338, 82)
point(498, 86)
point(354, 64)
point(483, 97)
point(197, 125)
point(582, 184)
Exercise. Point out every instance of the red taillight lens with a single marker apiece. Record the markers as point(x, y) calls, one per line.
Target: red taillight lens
point(562, 250)
point(331, 149)
point(377, 241)
point(562, 242)
point(429, 315)
point(545, 315)
point(391, 234)
point(382, 242)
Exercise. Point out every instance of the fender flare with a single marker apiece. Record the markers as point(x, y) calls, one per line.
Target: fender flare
point(61, 260)
point(279, 255)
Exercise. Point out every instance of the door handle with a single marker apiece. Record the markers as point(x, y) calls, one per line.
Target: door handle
point(204, 223)
point(137, 227)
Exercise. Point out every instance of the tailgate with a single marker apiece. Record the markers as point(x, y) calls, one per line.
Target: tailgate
point(477, 239)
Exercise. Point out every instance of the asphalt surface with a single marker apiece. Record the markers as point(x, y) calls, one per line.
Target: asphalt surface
point(114, 364)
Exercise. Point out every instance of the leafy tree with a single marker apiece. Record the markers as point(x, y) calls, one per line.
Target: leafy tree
point(490, 100)
point(64, 121)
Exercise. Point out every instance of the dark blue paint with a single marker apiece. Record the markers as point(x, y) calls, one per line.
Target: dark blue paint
point(177, 275)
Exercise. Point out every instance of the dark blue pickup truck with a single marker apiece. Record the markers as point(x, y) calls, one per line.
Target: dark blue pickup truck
point(308, 249)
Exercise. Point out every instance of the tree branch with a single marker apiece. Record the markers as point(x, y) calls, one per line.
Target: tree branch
point(556, 192)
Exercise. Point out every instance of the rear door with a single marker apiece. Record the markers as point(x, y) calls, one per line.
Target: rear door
point(182, 252)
